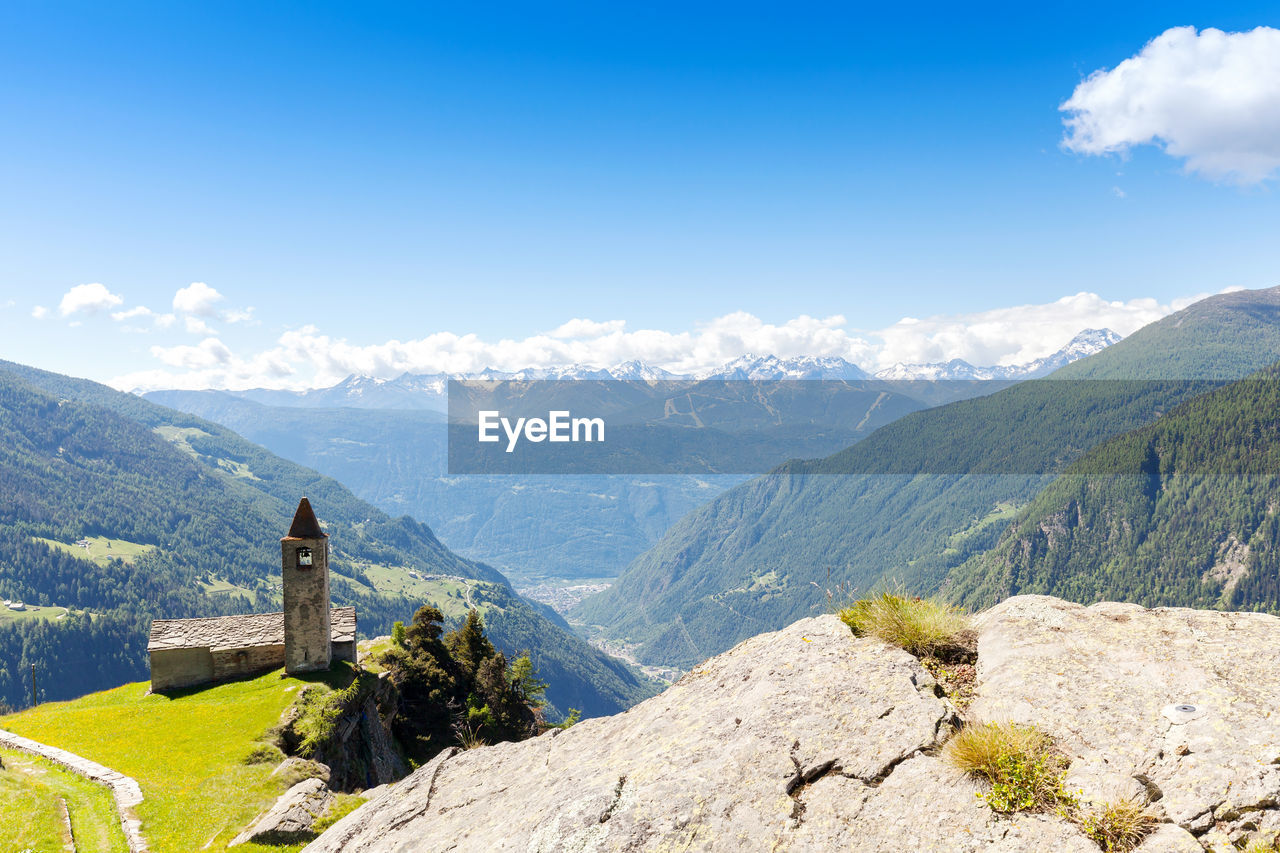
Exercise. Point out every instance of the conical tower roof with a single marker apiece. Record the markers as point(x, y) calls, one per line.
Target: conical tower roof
point(304, 524)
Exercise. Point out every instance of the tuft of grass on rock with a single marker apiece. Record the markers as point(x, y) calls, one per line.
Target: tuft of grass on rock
point(1263, 847)
point(924, 627)
point(1116, 827)
point(1021, 763)
point(1026, 771)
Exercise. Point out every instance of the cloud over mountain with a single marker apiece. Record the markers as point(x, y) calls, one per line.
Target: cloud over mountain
point(308, 357)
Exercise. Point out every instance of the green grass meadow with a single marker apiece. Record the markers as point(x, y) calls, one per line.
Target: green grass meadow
point(187, 752)
point(31, 814)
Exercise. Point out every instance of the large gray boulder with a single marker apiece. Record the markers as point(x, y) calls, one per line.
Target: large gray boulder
point(1175, 705)
point(808, 739)
point(803, 739)
point(291, 817)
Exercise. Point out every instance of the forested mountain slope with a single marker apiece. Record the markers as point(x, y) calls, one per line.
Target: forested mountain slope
point(177, 516)
point(920, 496)
point(1185, 511)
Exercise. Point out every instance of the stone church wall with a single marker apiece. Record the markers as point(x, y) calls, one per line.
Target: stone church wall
point(235, 662)
point(173, 668)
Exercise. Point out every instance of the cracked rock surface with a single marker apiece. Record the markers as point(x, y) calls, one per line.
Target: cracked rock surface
point(1174, 705)
point(803, 739)
point(720, 761)
point(808, 739)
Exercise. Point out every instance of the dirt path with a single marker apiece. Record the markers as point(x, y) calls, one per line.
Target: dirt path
point(124, 790)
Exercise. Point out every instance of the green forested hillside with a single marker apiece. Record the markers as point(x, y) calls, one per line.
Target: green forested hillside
point(920, 496)
point(1185, 511)
point(80, 460)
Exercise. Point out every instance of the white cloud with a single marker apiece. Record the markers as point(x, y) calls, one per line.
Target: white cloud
point(579, 328)
point(197, 298)
point(1017, 334)
point(210, 352)
point(244, 315)
point(196, 326)
point(1211, 99)
point(88, 298)
point(39, 312)
point(306, 357)
point(138, 311)
point(164, 321)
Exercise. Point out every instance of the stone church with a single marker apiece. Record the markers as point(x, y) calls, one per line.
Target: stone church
point(306, 636)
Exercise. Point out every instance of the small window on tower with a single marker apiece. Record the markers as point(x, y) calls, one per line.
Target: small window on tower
point(304, 558)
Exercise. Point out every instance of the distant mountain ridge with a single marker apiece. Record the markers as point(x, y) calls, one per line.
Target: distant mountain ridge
point(429, 391)
point(770, 367)
point(1084, 344)
point(920, 496)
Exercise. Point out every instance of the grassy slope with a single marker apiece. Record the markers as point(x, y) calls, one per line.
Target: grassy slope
point(31, 815)
point(32, 613)
point(187, 753)
point(898, 504)
point(102, 550)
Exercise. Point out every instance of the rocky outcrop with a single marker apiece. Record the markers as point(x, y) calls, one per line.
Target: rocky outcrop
point(360, 751)
point(810, 739)
point(291, 817)
point(1178, 706)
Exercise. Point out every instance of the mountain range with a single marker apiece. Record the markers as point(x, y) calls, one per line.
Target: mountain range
point(429, 390)
point(537, 528)
point(920, 497)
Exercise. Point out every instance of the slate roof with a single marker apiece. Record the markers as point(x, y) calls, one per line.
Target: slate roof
point(304, 524)
point(238, 632)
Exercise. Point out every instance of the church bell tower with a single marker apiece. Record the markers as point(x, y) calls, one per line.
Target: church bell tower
point(304, 565)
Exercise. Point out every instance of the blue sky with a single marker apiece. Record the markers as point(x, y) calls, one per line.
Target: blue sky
point(387, 171)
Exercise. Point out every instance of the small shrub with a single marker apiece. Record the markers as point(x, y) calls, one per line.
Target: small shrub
point(575, 716)
point(922, 626)
point(1117, 827)
point(264, 753)
point(398, 635)
point(319, 708)
point(1021, 764)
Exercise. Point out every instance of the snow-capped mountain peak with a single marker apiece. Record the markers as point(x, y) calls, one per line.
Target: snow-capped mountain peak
point(1085, 343)
point(770, 367)
point(429, 390)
